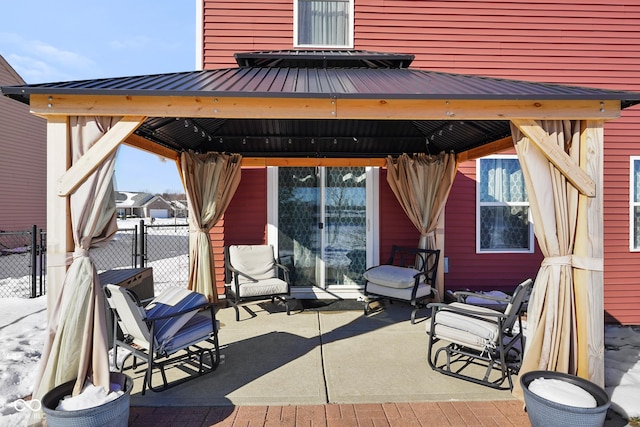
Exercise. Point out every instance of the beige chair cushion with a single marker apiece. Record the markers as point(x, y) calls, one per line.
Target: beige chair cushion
point(402, 294)
point(256, 261)
point(272, 286)
point(463, 329)
point(391, 276)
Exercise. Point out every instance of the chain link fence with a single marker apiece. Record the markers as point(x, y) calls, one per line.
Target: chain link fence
point(22, 263)
point(161, 245)
point(166, 250)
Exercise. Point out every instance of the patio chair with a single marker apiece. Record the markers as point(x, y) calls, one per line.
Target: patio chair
point(175, 320)
point(409, 276)
point(479, 336)
point(252, 273)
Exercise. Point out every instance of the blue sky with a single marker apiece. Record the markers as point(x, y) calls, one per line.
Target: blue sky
point(60, 40)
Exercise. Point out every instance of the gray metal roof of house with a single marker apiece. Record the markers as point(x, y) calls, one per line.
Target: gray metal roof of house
point(327, 74)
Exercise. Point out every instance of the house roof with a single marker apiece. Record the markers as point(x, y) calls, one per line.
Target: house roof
point(335, 76)
point(128, 199)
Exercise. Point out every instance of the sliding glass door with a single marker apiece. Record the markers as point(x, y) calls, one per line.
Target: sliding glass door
point(322, 225)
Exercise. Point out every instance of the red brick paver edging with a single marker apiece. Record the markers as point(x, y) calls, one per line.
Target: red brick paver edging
point(493, 413)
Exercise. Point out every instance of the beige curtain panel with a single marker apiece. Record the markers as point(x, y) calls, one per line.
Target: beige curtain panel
point(210, 181)
point(76, 347)
point(551, 320)
point(422, 184)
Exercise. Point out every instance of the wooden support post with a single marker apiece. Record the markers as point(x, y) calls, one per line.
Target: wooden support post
point(589, 283)
point(59, 237)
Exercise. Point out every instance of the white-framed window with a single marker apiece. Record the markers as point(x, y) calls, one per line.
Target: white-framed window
point(634, 204)
point(323, 23)
point(502, 207)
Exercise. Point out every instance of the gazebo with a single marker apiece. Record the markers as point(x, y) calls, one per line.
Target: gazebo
point(330, 108)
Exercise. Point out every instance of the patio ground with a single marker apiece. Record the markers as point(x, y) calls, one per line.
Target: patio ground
point(326, 368)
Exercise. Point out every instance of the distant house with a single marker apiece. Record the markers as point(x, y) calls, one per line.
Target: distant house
point(180, 208)
point(23, 164)
point(142, 205)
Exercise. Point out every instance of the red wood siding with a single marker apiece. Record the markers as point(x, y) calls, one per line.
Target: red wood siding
point(395, 226)
point(23, 164)
point(244, 222)
point(621, 266)
point(244, 26)
point(581, 42)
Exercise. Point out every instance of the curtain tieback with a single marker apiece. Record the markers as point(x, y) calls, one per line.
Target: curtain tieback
point(199, 230)
point(575, 261)
point(80, 252)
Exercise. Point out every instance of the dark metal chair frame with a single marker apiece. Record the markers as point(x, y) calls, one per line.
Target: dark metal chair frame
point(505, 356)
point(232, 285)
point(155, 359)
point(402, 256)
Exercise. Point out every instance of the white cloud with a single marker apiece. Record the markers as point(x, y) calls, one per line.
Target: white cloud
point(63, 57)
point(37, 61)
point(33, 70)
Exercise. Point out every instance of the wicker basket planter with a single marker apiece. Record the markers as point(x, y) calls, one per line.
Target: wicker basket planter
point(111, 414)
point(546, 413)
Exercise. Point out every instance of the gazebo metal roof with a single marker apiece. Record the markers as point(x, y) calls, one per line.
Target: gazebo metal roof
point(322, 75)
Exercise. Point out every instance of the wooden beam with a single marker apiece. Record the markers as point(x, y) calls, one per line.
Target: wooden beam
point(144, 144)
point(475, 109)
point(589, 282)
point(561, 160)
point(299, 162)
point(321, 108)
point(102, 149)
point(487, 149)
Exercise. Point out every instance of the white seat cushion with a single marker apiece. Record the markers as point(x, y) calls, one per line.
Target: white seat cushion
point(485, 329)
point(463, 329)
point(264, 287)
point(391, 276)
point(402, 294)
point(459, 336)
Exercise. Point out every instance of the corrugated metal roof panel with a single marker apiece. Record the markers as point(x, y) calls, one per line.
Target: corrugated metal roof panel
point(327, 138)
point(322, 83)
point(323, 59)
point(373, 76)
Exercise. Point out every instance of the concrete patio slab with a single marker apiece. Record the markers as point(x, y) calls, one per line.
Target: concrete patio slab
point(317, 357)
point(383, 358)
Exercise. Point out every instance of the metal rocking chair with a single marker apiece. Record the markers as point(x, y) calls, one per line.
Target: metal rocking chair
point(479, 336)
point(177, 319)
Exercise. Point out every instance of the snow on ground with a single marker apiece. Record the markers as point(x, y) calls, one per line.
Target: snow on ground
point(22, 331)
point(23, 322)
point(22, 338)
point(622, 369)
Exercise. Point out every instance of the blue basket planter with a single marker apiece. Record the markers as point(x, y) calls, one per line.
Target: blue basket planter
point(546, 413)
point(111, 414)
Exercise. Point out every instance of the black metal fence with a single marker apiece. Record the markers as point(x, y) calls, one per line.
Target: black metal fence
point(164, 247)
point(22, 263)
